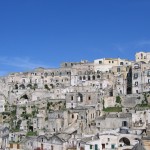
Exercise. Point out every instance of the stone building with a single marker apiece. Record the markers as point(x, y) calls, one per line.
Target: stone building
point(140, 77)
point(57, 121)
point(142, 57)
point(4, 137)
point(115, 120)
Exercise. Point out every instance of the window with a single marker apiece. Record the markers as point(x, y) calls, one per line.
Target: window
point(91, 146)
point(148, 73)
point(111, 93)
point(96, 147)
point(121, 63)
point(113, 146)
point(72, 116)
point(11, 145)
point(136, 66)
point(72, 98)
point(124, 123)
point(84, 78)
point(112, 61)
point(108, 139)
point(118, 69)
point(89, 98)
point(135, 75)
point(89, 78)
point(148, 80)
point(137, 91)
point(136, 83)
point(103, 146)
point(81, 98)
point(100, 62)
point(18, 146)
point(109, 61)
point(93, 77)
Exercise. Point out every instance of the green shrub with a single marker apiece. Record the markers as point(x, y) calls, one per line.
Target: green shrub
point(113, 109)
point(30, 133)
point(118, 99)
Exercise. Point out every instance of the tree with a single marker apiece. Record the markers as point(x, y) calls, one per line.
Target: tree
point(118, 99)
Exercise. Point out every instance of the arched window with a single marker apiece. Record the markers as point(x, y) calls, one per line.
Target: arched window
point(89, 78)
point(80, 78)
point(124, 140)
point(22, 86)
point(80, 97)
point(84, 78)
point(71, 97)
point(89, 98)
point(29, 86)
point(93, 77)
point(72, 116)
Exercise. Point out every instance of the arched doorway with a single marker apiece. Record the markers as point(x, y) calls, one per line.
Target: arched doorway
point(125, 140)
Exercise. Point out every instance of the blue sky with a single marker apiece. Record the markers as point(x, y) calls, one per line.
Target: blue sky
point(47, 32)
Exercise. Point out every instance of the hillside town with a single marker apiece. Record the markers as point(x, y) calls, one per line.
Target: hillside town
point(99, 105)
